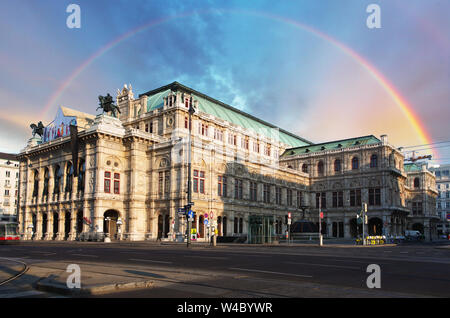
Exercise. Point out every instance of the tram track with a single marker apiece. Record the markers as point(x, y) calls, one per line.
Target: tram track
point(23, 271)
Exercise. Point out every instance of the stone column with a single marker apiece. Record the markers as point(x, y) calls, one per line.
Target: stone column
point(61, 226)
point(38, 230)
point(49, 234)
point(86, 214)
point(73, 225)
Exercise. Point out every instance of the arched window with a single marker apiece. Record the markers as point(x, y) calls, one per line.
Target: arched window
point(337, 165)
point(374, 161)
point(416, 183)
point(320, 168)
point(81, 175)
point(69, 177)
point(355, 163)
point(36, 183)
point(58, 175)
point(46, 179)
point(305, 168)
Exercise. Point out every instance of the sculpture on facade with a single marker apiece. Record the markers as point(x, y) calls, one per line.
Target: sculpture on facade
point(38, 129)
point(107, 104)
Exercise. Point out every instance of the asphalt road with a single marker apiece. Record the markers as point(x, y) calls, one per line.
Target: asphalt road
point(416, 270)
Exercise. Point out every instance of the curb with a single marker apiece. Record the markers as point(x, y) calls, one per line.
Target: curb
point(49, 286)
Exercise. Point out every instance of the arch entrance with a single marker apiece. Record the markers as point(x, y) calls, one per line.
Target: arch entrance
point(110, 225)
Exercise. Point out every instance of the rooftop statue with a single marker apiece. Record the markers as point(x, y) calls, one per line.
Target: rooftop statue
point(38, 129)
point(107, 104)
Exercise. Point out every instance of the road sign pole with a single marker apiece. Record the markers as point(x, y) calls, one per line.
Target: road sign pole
point(320, 220)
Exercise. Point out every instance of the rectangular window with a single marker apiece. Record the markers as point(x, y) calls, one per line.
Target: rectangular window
point(278, 195)
point(267, 150)
point(107, 184)
point(195, 181)
point(202, 182)
point(323, 200)
point(219, 186)
point(160, 182)
point(335, 199)
point(419, 208)
point(266, 193)
point(117, 183)
point(289, 197)
point(166, 182)
point(218, 134)
point(199, 181)
point(222, 186)
point(253, 191)
point(340, 199)
point(256, 147)
point(203, 129)
point(299, 199)
point(146, 128)
point(355, 197)
point(374, 196)
point(238, 189)
point(7, 192)
point(8, 174)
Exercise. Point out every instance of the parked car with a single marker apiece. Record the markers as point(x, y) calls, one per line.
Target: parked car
point(413, 235)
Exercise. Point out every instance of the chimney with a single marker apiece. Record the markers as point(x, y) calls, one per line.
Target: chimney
point(384, 139)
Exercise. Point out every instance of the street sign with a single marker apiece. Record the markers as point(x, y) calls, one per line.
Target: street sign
point(289, 215)
point(289, 221)
point(206, 222)
point(191, 203)
point(190, 214)
point(206, 215)
point(211, 215)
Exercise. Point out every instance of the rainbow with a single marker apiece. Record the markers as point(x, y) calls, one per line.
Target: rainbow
point(399, 100)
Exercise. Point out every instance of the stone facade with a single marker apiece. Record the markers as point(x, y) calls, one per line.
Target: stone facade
point(132, 176)
point(366, 170)
point(9, 184)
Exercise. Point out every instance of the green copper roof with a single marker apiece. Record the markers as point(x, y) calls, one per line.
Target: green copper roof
point(345, 143)
point(412, 167)
point(156, 100)
point(223, 111)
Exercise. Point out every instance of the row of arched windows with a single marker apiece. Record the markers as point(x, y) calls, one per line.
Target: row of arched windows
point(58, 175)
point(338, 164)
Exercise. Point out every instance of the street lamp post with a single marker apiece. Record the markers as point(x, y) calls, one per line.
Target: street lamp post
point(189, 194)
point(320, 220)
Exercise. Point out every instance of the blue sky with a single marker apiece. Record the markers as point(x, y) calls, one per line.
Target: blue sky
point(243, 53)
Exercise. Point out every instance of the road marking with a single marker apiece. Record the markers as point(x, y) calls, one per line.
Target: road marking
point(268, 272)
point(323, 265)
point(403, 252)
point(148, 260)
point(86, 255)
point(45, 253)
point(22, 294)
point(133, 253)
point(340, 260)
point(214, 257)
point(387, 251)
